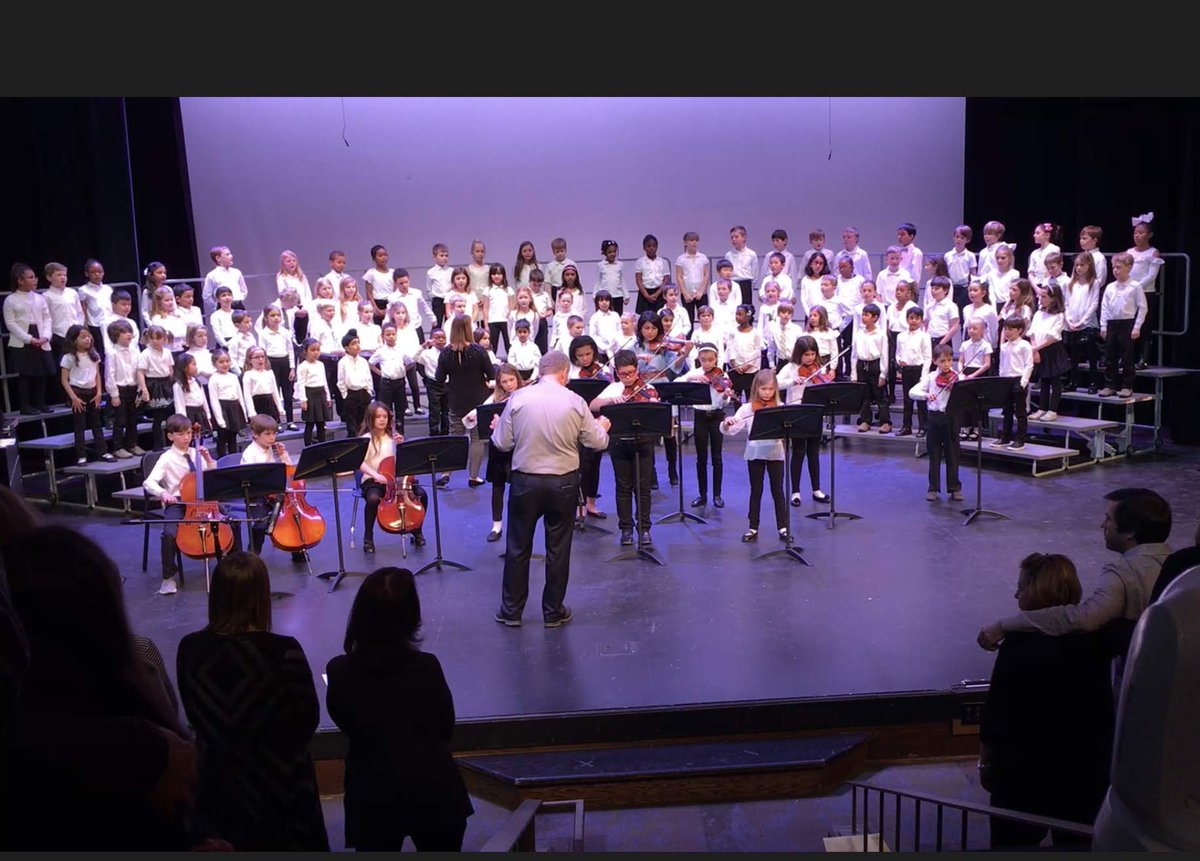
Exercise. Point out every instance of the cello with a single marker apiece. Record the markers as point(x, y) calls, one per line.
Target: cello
point(400, 510)
point(199, 535)
point(299, 525)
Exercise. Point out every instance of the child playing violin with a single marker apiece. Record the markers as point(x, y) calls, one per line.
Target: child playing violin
point(763, 456)
point(942, 434)
point(383, 438)
point(794, 378)
point(661, 358)
point(584, 353)
point(706, 422)
point(499, 463)
point(164, 483)
point(630, 387)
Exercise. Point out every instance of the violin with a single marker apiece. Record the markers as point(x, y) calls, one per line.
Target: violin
point(595, 371)
point(400, 510)
point(299, 525)
point(639, 392)
point(718, 380)
point(200, 536)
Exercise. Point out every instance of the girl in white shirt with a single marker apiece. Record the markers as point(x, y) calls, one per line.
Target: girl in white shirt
point(221, 319)
point(229, 406)
point(570, 280)
point(1045, 236)
point(316, 403)
point(196, 344)
point(1020, 302)
point(291, 275)
point(81, 381)
point(188, 395)
point(1146, 265)
point(155, 275)
point(762, 456)
point(382, 439)
point(370, 336)
point(460, 287)
point(155, 370)
point(610, 275)
point(526, 263)
point(810, 285)
point(982, 310)
point(604, 326)
point(743, 350)
point(1081, 325)
point(377, 282)
point(650, 273)
point(498, 302)
point(27, 318)
point(1002, 280)
point(1049, 355)
point(260, 390)
point(162, 313)
point(408, 342)
point(281, 356)
point(97, 300)
point(348, 300)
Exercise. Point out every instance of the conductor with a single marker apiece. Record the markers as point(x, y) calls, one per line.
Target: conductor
point(543, 425)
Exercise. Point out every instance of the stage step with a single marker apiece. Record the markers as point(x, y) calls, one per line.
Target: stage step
point(662, 774)
point(1033, 453)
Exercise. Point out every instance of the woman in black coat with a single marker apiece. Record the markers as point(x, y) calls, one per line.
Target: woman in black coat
point(1047, 726)
point(467, 370)
point(393, 705)
point(250, 696)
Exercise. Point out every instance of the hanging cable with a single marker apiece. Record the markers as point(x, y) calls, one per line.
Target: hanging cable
point(346, 142)
point(830, 125)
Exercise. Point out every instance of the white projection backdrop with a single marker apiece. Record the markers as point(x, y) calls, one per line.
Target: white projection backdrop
point(274, 173)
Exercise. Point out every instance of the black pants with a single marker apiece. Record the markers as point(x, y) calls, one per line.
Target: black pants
point(541, 335)
point(439, 408)
point(623, 454)
point(706, 428)
point(889, 389)
point(746, 285)
point(1119, 345)
point(741, 384)
point(1015, 404)
point(617, 304)
point(534, 497)
point(498, 331)
point(58, 346)
point(438, 306)
point(1050, 392)
point(308, 434)
point(845, 340)
point(31, 391)
point(805, 448)
point(89, 417)
point(774, 470)
point(393, 394)
point(372, 494)
point(1145, 341)
point(671, 450)
point(1083, 345)
point(962, 298)
point(868, 372)
point(441, 838)
point(589, 471)
point(414, 386)
point(282, 370)
point(910, 375)
point(942, 442)
point(331, 362)
point(125, 419)
point(355, 405)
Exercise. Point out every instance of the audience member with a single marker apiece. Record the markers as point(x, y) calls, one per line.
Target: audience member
point(393, 704)
point(1047, 726)
point(249, 696)
point(93, 758)
point(1176, 564)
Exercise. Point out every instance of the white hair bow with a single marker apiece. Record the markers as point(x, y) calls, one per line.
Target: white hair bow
point(1145, 218)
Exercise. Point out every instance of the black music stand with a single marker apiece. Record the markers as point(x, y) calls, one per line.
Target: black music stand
point(630, 422)
point(794, 421)
point(680, 394)
point(589, 389)
point(332, 458)
point(434, 454)
point(834, 398)
point(245, 482)
point(980, 394)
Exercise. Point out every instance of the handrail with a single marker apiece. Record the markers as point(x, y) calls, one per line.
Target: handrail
point(940, 802)
point(517, 833)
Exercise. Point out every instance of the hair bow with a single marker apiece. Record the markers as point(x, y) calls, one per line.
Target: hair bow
point(1144, 218)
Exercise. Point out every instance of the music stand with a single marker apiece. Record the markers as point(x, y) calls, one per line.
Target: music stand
point(794, 421)
point(244, 482)
point(679, 394)
point(589, 389)
point(630, 422)
point(433, 454)
point(979, 393)
point(834, 398)
point(332, 458)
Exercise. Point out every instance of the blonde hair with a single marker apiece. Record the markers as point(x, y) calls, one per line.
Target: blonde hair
point(159, 293)
point(249, 363)
point(299, 272)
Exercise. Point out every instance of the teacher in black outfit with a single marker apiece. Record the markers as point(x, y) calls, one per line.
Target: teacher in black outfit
point(466, 369)
point(543, 425)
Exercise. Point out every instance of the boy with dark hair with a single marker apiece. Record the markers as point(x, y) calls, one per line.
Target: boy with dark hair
point(934, 391)
point(1016, 362)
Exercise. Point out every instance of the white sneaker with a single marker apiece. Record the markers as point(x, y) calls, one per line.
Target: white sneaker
point(169, 586)
point(1125, 393)
point(1036, 416)
point(1049, 416)
point(81, 461)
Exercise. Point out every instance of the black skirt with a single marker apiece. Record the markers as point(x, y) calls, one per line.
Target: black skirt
point(499, 465)
point(162, 398)
point(1054, 361)
point(265, 405)
point(197, 416)
point(318, 408)
point(235, 416)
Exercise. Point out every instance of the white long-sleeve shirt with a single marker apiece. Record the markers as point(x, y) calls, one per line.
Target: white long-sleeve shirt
point(914, 349)
point(192, 396)
point(437, 281)
point(1123, 300)
point(605, 328)
point(1016, 360)
point(120, 369)
point(1045, 328)
point(309, 375)
point(1037, 262)
point(756, 449)
point(787, 290)
point(169, 470)
point(239, 347)
point(524, 356)
point(225, 387)
point(23, 309)
point(261, 383)
point(353, 373)
point(278, 344)
point(222, 326)
point(998, 285)
point(65, 309)
point(1145, 268)
point(222, 277)
point(929, 385)
point(867, 347)
point(420, 315)
point(743, 350)
point(886, 281)
point(1083, 305)
point(745, 263)
point(861, 260)
point(611, 277)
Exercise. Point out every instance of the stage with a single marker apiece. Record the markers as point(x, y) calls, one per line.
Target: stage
point(891, 604)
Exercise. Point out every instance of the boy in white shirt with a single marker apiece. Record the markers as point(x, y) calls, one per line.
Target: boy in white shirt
point(223, 274)
point(1123, 310)
point(437, 281)
point(120, 381)
point(941, 315)
point(554, 269)
point(605, 324)
point(1016, 362)
point(962, 266)
point(65, 308)
point(122, 307)
point(911, 257)
point(779, 241)
point(776, 264)
point(816, 241)
point(869, 363)
point(933, 390)
point(419, 311)
point(782, 336)
point(913, 358)
point(239, 346)
point(993, 238)
point(221, 319)
point(893, 274)
point(744, 262)
point(859, 258)
point(354, 383)
point(439, 406)
point(524, 355)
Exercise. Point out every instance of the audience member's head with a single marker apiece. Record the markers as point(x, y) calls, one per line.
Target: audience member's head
point(1047, 580)
point(1135, 515)
point(239, 599)
point(386, 614)
point(17, 517)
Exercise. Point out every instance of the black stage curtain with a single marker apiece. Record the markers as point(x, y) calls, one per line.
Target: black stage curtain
point(1096, 161)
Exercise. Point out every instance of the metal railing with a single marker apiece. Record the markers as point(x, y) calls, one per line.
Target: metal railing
point(518, 833)
point(940, 805)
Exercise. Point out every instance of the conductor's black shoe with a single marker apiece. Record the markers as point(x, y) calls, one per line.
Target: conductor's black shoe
point(674, 480)
point(368, 545)
point(718, 502)
point(654, 483)
point(443, 479)
point(508, 620)
point(626, 537)
point(559, 619)
point(419, 539)
point(699, 501)
point(494, 535)
point(475, 482)
point(644, 537)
